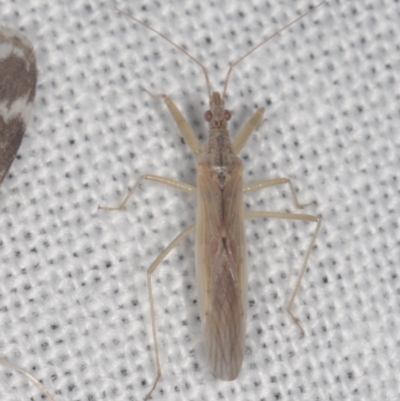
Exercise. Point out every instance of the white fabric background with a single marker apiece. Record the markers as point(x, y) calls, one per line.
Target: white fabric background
point(73, 279)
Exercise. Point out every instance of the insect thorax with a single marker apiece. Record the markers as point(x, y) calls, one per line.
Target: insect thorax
point(218, 158)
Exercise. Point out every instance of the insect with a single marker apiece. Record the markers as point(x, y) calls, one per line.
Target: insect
point(220, 237)
point(18, 74)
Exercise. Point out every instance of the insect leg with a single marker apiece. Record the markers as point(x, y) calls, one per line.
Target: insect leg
point(292, 216)
point(150, 271)
point(33, 379)
point(185, 129)
point(274, 182)
point(253, 123)
point(150, 177)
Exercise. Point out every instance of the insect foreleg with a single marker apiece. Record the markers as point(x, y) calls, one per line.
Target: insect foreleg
point(253, 123)
point(184, 127)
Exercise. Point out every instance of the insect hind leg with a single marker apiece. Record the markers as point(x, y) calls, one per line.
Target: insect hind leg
point(298, 217)
point(36, 382)
point(150, 272)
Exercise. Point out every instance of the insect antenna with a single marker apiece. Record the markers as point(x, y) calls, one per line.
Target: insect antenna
point(172, 43)
point(263, 42)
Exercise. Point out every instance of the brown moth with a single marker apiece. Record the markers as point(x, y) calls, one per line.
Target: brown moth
point(18, 74)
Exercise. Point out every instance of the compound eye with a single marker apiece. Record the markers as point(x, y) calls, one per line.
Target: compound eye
point(208, 115)
point(228, 115)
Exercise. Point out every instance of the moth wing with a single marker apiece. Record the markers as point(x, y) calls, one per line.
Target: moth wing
point(18, 74)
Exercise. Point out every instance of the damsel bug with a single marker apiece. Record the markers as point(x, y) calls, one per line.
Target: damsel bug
point(220, 238)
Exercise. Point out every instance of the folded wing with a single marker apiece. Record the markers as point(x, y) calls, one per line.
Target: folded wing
point(221, 268)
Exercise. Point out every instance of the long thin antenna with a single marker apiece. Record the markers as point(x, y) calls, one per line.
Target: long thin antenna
point(264, 41)
point(172, 43)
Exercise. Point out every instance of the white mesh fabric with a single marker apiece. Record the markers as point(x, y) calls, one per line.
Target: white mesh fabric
point(73, 279)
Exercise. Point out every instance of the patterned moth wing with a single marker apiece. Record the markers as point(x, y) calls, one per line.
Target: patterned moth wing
point(18, 75)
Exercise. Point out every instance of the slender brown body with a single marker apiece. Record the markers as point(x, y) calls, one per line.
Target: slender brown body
point(221, 251)
point(220, 240)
